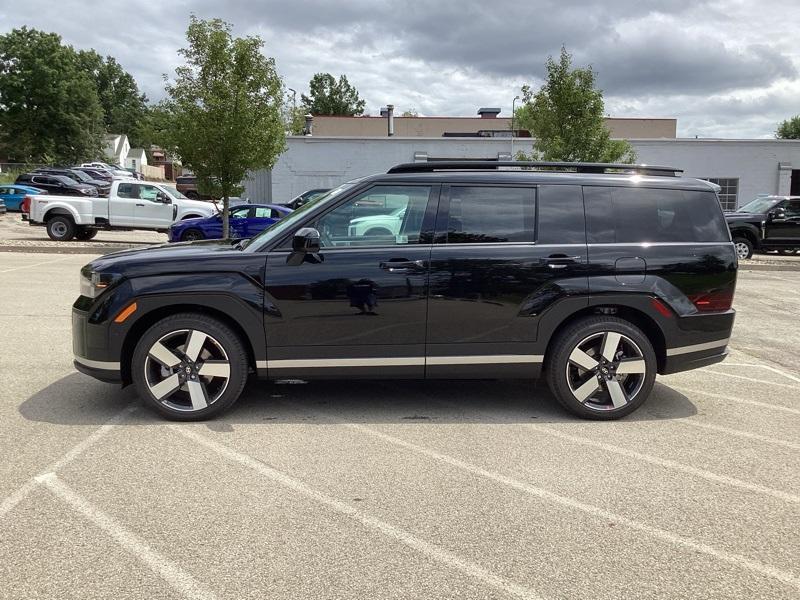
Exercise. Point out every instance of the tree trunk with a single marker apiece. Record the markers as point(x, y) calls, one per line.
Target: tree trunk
point(226, 213)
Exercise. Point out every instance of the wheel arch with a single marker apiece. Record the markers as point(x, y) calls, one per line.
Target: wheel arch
point(59, 211)
point(750, 233)
point(150, 318)
point(636, 316)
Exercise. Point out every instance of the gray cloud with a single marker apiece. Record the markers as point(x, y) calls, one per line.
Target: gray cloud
point(715, 65)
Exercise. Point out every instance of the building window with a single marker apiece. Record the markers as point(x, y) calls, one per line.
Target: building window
point(729, 194)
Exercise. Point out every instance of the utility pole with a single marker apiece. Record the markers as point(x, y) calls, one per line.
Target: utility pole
point(513, 113)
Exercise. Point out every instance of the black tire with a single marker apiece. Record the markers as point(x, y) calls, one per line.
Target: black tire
point(566, 378)
point(191, 235)
point(85, 234)
point(787, 252)
point(220, 345)
point(61, 228)
point(744, 247)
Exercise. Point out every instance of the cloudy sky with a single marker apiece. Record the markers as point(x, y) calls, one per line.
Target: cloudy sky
point(723, 68)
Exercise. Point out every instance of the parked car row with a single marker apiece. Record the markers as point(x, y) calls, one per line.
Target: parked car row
point(246, 220)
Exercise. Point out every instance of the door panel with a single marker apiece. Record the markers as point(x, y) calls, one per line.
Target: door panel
point(486, 299)
point(787, 230)
point(358, 308)
point(121, 205)
point(148, 212)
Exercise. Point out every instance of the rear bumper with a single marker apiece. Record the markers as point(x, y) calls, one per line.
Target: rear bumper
point(694, 357)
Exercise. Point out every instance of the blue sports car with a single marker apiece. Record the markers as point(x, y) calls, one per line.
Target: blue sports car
point(12, 194)
point(246, 221)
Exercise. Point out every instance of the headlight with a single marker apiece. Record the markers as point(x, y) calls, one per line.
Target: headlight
point(93, 284)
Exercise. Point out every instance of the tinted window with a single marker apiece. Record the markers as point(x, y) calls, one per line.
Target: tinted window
point(490, 215)
point(792, 209)
point(641, 215)
point(561, 219)
point(127, 190)
point(381, 216)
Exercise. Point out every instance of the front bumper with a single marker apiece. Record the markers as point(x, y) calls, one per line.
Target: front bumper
point(91, 351)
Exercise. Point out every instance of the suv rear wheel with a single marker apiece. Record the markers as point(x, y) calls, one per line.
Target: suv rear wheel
point(189, 367)
point(601, 368)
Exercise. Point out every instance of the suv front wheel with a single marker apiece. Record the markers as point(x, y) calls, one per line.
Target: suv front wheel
point(601, 368)
point(189, 367)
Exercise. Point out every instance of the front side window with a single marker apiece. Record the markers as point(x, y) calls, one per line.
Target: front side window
point(263, 212)
point(385, 215)
point(240, 213)
point(792, 208)
point(485, 214)
point(148, 192)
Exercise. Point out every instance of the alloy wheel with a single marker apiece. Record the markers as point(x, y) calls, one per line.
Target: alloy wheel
point(606, 371)
point(187, 370)
point(742, 250)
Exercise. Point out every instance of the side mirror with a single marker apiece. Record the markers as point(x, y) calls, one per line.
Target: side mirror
point(306, 241)
point(777, 214)
point(163, 198)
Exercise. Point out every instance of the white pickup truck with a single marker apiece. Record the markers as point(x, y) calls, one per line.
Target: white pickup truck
point(131, 204)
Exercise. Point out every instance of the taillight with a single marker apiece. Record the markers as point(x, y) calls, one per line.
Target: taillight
point(713, 301)
point(26, 205)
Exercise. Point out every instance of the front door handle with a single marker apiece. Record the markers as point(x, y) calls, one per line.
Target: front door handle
point(137, 204)
point(402, 265)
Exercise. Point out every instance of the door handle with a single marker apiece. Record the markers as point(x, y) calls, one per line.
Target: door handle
point(137, 204)
point(402, 265)
point(561, 261)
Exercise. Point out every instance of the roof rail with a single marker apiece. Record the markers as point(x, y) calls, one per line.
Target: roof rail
point(576, 167)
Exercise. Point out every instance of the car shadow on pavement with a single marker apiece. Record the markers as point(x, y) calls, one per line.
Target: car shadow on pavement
point(79, 400)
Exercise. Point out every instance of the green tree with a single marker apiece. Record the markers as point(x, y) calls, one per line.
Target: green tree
point(224, 109)
point(789, 129)
point(327, 96)
point(49, 108)
point(124, 107)
point(411, 112)
point(566, 117)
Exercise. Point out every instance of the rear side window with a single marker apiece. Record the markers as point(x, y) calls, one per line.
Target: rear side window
point(484, 214)
point(561, 219)
point(650, 215)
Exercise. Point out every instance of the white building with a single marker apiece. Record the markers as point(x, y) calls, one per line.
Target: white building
point(136, 159)
point(744, 168)
point(116, 148)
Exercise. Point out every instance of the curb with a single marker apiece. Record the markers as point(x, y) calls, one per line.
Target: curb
point(769, 267)
point(70, 249)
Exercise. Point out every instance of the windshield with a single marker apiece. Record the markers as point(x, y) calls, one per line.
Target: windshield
point(759, 205)
point(173, 191)
point(280, 227)
point(81, 176)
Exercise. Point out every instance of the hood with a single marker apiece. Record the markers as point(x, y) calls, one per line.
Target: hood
point(191, 222)
point(737, 216)
point(201, 205)
point(164, 258)
point(371, 218)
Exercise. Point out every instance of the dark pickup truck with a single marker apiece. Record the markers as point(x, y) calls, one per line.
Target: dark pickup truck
point(766, 223)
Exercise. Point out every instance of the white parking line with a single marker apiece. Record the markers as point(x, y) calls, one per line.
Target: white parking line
point(668, 464)
point(737, 560)
point(19, 495)
point(430, 550)
point(740, 433)
point(158, 563)
point(728, 397)
point(767, 367)
point(44, 262)
point(753, 379)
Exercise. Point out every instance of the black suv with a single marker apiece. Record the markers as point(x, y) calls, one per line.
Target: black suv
point(594, 276)
point(766, 223)
point(56, 184)
point(103, 187)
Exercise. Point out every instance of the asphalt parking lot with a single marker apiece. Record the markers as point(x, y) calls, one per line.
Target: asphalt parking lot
point(397, 489)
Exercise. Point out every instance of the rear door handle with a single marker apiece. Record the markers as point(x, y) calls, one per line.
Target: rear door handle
point(561, 261)
point(402, 265)
point(137, 204)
